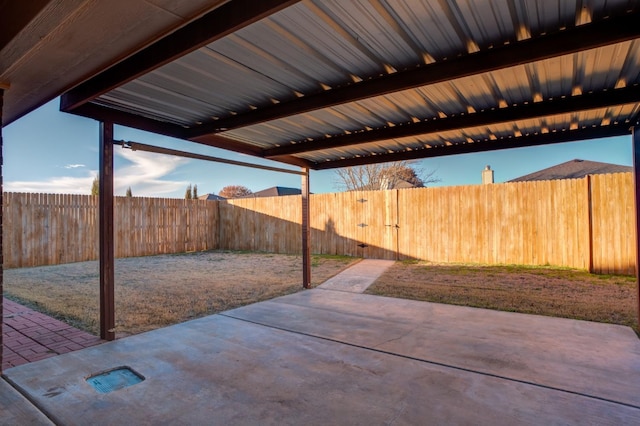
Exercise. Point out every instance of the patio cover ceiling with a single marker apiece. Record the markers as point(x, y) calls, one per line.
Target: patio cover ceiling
point(325, 84)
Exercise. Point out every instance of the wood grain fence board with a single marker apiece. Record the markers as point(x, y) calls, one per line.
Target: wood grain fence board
point(627, 212)
point(613, 226)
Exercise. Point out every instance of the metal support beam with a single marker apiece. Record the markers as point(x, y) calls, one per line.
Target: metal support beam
point(306, 231)
point(636, 181)
point(1, 229)
point(537, 139)
point(136, 146)
point(107, 299)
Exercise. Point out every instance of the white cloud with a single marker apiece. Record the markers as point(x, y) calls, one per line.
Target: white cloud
point(55, 185)
point(74, 166)
point(144, 174)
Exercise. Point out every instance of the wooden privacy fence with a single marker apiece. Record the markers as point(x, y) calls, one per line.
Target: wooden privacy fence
point(49, 229)
point(582, 223)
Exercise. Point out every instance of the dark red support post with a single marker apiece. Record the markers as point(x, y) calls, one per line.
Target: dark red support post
point(636, 181)
point(1, 257)
point(306, 231)
point(107, 299)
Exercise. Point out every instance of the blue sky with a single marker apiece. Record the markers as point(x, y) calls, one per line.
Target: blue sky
point(52, 152)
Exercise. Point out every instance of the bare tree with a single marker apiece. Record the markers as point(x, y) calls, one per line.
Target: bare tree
point(188, 193)
point(234, 191)
point(383, 176)
point(128, 193)
point(195, 191)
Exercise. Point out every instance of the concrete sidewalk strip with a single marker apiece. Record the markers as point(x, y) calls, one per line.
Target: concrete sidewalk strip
point(358, 277)
point(15, 409)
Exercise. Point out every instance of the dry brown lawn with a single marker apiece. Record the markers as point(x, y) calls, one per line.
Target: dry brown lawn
point(157, 291)
point(534, 290)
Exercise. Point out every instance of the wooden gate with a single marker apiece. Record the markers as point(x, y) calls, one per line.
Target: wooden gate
point(377, 220)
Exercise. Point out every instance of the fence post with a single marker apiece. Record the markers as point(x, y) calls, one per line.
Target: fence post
point(590, 223)
point(396, 224)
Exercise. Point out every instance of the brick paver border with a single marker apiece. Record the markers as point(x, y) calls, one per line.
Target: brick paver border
point(30, 336)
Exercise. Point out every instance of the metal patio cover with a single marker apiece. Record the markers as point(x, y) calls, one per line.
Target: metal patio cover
point(325, 84)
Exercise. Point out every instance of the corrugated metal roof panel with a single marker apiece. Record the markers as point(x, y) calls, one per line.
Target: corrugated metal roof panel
point(556, 77)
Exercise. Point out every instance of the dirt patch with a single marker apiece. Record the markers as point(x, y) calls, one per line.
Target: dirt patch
point(157, 291)
point(535, 290)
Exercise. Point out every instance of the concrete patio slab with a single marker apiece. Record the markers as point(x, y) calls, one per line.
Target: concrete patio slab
point(329, 357)
point(588, 358)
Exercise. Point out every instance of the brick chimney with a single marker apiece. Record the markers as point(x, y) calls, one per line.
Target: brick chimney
point(487, 175)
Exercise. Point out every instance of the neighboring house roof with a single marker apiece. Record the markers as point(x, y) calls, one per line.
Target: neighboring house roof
point(274, 191)
point(402, 184)
point(211, 197)
point(574, 169)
